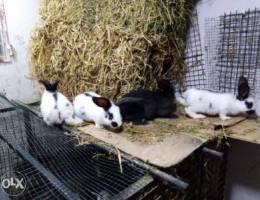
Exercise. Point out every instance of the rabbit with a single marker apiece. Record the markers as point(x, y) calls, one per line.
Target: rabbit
point(141, 105)
point(199, 102)
point(91, 107)
point(55, 108)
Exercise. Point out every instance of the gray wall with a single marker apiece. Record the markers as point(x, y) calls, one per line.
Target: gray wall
point(21, 16)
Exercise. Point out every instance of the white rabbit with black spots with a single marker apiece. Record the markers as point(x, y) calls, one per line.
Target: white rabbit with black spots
point(55, 108)
point(199, 102)
point(91, 107)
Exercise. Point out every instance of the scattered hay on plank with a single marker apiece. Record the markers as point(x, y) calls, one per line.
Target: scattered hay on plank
point(159, 129)
point(110, 46)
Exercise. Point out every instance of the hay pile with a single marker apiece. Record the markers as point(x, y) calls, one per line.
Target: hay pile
point(110, 46)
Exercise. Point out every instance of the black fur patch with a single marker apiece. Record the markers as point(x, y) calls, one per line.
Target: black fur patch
point(140, 122)
point(210, 106)
point(59, 115)
point(51, 87)
point(249, 105)
point(55, 96)
point(88, 95)
point(110, 116)
point(250, 112)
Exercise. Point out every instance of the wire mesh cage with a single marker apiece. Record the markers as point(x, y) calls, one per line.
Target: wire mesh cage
point(211, 41)
point(204, 170)
point(56, 168)
point(232, 49)
point(195, 72)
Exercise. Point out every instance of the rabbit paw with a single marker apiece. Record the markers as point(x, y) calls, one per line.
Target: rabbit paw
point(194, 115)
point(98, 126)
point(224, 117)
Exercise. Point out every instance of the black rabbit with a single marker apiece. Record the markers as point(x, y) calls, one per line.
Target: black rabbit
point(141, 105)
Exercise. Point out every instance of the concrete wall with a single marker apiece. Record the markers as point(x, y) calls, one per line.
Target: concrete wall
point(21, 17)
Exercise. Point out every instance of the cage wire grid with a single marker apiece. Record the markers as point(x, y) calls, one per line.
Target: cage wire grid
point(232, 50)
point(86, 170)
point(211, 45)
point(232, 43)
point(195, 72)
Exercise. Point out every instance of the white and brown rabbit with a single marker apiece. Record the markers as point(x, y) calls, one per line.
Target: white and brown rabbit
point(141, 105)
point(199, 102)
point(91, 107)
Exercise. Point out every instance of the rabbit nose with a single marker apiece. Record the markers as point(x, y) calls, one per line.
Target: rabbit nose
point(250, 112)
point(114, 124)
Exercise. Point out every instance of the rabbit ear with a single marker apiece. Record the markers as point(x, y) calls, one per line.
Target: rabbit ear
point(55, 84)
point(102, 102)
point(164, 84)
point(243, 88)
point(52, 87)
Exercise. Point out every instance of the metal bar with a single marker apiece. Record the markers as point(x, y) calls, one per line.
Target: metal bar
point(213, 153)
point(134, 188)
point(26, 107)
point(7, 109)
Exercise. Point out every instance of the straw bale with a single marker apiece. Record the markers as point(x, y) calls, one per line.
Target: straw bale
point(110, 46)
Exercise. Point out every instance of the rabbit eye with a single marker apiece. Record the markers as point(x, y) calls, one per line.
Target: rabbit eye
point(67, 104)
point(106, 116)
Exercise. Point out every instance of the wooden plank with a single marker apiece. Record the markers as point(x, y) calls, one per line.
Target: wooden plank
point(248, 131)
point(166, 153)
